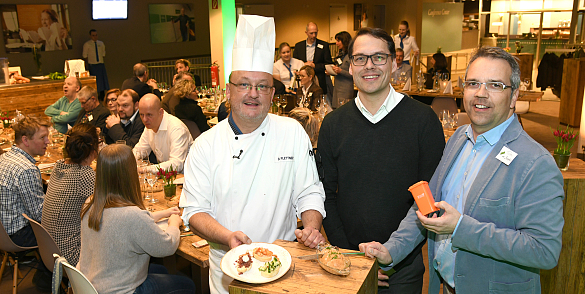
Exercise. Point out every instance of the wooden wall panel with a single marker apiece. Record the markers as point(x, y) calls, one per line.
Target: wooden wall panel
point(34, 97)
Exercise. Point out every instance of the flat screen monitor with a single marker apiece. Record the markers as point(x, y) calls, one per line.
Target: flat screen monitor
point(109, 9)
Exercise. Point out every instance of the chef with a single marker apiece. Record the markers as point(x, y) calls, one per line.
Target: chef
point(250, 177)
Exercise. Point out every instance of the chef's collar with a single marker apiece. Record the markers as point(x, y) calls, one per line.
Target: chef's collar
point(233, 125)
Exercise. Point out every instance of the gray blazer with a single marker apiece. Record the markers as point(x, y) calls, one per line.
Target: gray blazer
point(343, 89)
point(512, 221)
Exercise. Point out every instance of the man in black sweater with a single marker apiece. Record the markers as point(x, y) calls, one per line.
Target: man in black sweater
point(372, 150)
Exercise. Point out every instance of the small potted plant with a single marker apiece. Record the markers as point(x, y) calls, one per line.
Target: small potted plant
point(6, 119)
point(168, 176)
point(519, 47)
point(565, 140)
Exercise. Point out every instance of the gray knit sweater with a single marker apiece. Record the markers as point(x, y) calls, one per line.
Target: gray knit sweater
point(115, 259)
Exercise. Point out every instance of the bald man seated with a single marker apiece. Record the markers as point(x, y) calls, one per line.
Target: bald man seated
point(164, 135)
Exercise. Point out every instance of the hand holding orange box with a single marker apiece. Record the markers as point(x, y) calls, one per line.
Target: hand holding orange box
point(423, 197)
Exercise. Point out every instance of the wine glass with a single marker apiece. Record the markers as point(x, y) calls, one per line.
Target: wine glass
point(445, 77)
point(151, 180)
point(276, 100)
point(283, 102)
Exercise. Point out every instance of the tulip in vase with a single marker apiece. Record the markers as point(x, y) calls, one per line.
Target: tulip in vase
point(168, 176)
point(565, 140)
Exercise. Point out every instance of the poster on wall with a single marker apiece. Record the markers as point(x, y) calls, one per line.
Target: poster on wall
point(171, 23)
point(438, 21)
point(46, 27)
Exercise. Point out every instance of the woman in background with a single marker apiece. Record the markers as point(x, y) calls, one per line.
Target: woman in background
point(188, 108)
point(310, 92)
point(285, 68)
point(407, 42)
point(72, 181)
point(111, 100)
point(52, 31)
point(118, 234)
point(343, 89)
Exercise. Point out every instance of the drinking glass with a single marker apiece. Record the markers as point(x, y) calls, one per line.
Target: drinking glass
point(151, 179)
point(445, 77)
point(283, 102)
point(526, 83)
point(276, 100)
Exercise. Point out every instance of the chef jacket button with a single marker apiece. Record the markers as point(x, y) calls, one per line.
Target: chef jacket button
point(236, 138)
point(263, 134)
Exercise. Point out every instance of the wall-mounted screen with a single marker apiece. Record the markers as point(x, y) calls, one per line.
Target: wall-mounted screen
point(109, 9)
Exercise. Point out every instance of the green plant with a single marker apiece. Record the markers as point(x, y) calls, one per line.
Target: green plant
point(167, 175)
point(565, 140)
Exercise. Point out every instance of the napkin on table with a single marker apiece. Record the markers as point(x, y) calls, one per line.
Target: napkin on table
point(407, 85)
point(448, 88)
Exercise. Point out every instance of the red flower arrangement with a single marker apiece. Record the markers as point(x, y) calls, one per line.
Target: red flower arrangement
point(5, 118)
point(565, 140)
point(168, 176)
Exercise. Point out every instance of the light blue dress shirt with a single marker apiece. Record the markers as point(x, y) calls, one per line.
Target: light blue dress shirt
point(311, 51)
point(456, 187)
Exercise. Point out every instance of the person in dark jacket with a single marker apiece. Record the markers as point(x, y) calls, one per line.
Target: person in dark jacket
point(127, 124)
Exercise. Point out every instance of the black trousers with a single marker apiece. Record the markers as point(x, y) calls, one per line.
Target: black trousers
point(408, 280)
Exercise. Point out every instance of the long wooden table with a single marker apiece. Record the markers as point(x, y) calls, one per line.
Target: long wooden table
point(568, 277)
point(306, 276)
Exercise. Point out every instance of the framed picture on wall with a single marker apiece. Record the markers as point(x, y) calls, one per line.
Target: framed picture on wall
point(170, 23)
point(45, 27)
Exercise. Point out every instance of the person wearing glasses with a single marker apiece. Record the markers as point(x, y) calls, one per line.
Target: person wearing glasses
point(309, 92)
point(373, 149)
point(248, 178)
point(111, 101)
point(499, 191)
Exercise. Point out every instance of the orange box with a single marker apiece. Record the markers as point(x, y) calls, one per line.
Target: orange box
point(423, 197)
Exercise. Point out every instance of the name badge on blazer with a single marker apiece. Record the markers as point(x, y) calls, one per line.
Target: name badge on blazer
point(320, 46)
point(90, 117)
point(285, 158)
point(506, 155)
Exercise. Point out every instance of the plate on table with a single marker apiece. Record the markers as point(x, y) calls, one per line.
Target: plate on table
point(253, 275)
point(40, 78)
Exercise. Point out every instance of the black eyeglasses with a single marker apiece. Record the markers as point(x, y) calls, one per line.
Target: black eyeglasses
point(377, 59)
point(246, 87)
point(494, 87)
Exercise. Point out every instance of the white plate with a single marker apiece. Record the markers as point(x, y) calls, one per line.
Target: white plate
point(40, 78)
point(253, 275)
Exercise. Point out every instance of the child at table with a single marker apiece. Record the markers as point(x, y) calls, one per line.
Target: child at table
point(118, 234)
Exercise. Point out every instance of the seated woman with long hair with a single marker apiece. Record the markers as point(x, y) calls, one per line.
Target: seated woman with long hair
point(118, 234)
point(310, 91)
point(188, 108)
point(72, 181)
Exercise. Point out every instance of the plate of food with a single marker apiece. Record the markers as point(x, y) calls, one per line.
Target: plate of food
point(256, 263)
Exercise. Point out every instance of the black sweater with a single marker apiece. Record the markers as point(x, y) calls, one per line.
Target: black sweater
point(369, 167)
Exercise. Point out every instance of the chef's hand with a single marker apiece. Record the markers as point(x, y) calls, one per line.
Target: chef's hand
point(310, 237)
point(441, 225)
point(238, 238)
point(376, 250)
point(382, 279)
point(112, 120)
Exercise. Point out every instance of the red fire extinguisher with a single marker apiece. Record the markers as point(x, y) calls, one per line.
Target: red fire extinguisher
point(215, 74)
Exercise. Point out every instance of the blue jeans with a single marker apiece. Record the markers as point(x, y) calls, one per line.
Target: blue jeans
point(160, 282)
point(24, 237)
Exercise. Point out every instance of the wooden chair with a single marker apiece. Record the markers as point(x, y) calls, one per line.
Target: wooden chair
point(193, 128)
point(462, 119)
point(10, 249)
point(79, 283)
point(444, 103)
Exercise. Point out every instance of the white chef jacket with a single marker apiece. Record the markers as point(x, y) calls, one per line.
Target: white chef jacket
point(170, 143)
point(261, 193)
point(409, 45)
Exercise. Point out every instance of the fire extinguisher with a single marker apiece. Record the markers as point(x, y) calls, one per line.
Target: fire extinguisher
point(215, 74)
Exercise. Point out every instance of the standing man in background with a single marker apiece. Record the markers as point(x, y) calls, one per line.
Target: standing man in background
point(315, 53)
point(94, 53)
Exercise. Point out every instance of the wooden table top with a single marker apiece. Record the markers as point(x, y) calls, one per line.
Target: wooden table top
point(198, 256)
point(306, 276)
point(576, 169)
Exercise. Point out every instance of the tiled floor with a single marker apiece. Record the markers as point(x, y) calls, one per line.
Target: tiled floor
point(542, 115)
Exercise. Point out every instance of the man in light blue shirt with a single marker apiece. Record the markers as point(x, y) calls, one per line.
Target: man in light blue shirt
point(499, 191)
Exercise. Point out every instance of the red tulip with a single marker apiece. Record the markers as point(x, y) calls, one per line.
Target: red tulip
point(556, 133)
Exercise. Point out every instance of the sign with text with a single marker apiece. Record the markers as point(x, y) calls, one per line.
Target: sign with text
point(441, 27)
